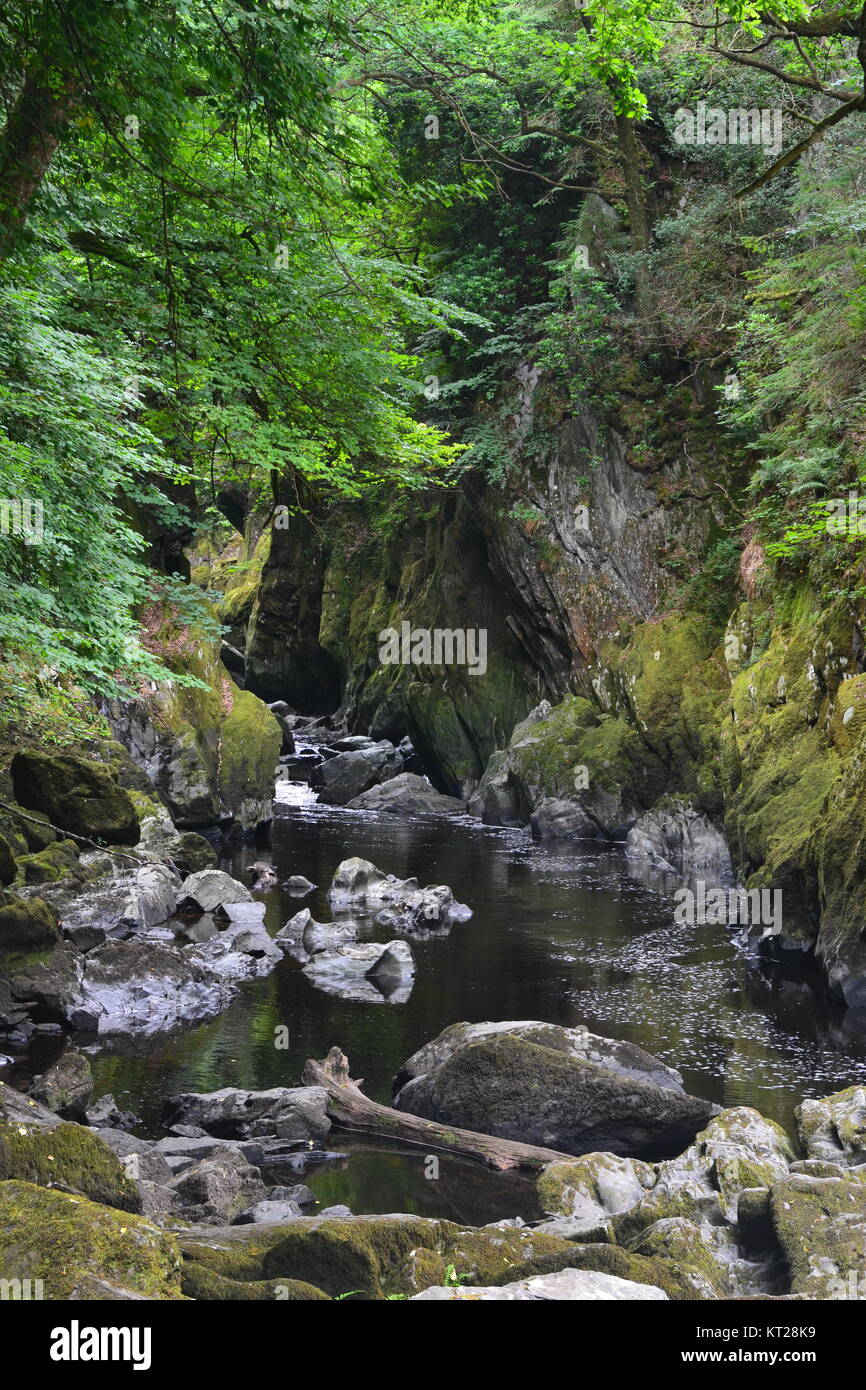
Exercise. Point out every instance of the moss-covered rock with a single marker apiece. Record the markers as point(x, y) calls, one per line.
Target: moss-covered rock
point(56, 862)
point(202, 1283)
point(820, 1224)
point(680, 1283)
point(7, 861)
point(368, 1256)
point(76, 794)
point(250, 742)
point(682, 1242)
point(834, 1128)
point(510, 1086)
point(69, 1156)
point(62, 1238)
point(594, 1187)
point(26, 926)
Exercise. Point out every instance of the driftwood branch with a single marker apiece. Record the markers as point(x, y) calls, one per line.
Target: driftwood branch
point(350, 1109)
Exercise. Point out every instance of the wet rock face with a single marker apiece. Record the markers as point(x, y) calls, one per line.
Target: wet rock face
point(76, 794)
point(509, 1085)
point(676, 835)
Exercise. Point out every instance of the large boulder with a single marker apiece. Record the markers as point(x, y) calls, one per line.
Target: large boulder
point(77, 795)
point(609, 1053)
point(145, 988)
point(121, 903)
point(572, 772)
point(676, 835)
point(407, 795)
point(339, 780)
point(66, 1241)
point(298, 1112)
point(524, 1085)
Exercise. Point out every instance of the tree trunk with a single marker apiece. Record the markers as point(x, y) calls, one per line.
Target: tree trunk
point(33, 132)
point(350, 1109)
point(631, 157)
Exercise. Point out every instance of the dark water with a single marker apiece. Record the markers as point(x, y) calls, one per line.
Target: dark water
point(575, 938)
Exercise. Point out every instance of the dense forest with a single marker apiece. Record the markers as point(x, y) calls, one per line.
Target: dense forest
point(432, 439)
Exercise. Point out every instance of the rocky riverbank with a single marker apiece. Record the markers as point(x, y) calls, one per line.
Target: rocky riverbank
point(741, 1212)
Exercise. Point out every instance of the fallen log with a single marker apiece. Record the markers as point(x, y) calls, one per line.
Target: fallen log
point(350, 1109)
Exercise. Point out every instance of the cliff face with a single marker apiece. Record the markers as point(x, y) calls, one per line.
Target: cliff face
point(666, 671)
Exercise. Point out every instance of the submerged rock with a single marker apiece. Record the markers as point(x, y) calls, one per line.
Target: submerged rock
point(297, 886)
point(536, 1085)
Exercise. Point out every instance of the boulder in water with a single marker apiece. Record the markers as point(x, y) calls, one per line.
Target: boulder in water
point(560, 1088)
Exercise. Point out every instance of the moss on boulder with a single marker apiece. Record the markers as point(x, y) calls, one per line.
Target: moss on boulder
point(62, 1238)
point(76, 794)
point(678, 1283)
point(7, 861)
point(56, 862)
point(250, 742)
point(820, 1224)
point(26, 926)
point(205, 1284)
point(69, 1156)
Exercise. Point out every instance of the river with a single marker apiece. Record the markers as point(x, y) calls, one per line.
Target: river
point(579, 937)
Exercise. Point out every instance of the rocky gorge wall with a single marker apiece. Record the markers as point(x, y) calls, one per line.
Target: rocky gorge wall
point(652, 672)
